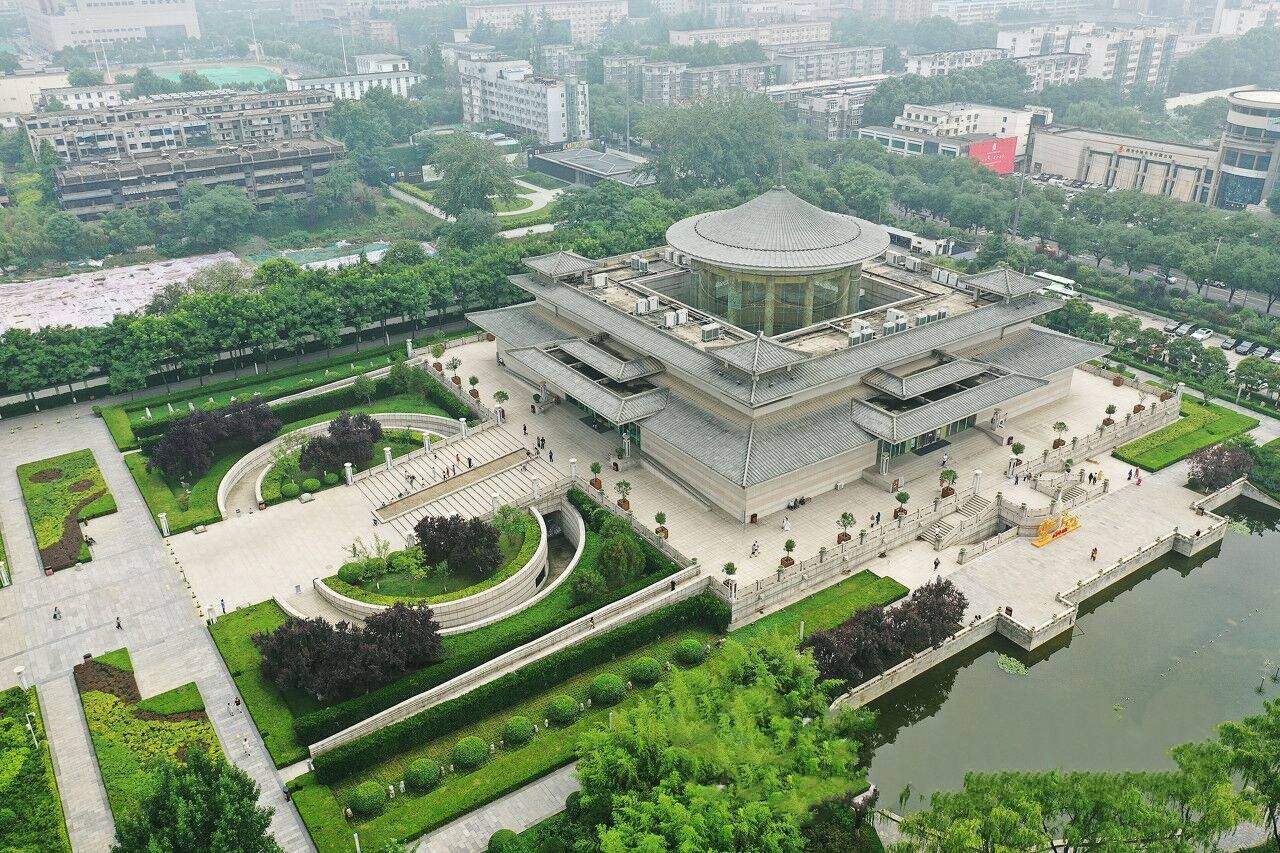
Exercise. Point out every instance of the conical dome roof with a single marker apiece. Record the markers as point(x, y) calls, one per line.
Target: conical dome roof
point(778, 231)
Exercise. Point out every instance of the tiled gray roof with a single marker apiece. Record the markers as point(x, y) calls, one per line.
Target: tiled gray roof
point(602, 401)
point(757, 356)
point(905, 425)
point(559, 264)
point(608, 363)
point(778, 231)
point(924, 381)
point(1002, 281)
point(518, 325)
point(1042, 352)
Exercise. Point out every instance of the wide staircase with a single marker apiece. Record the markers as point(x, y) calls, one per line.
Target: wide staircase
point(942, 531)
point(423, 476)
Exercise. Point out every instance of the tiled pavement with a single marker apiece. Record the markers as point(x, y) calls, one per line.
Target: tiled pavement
point(133, 577)
point(517, 811)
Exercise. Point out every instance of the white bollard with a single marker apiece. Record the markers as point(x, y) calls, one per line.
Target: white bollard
point(163, 517)
point(21, 673)
point(495, 501)
point(346, 467)
point(537, 487)
point(462, 427)
point(977, 480)
point(386, 454)
point(573, 468)
point(408, 348)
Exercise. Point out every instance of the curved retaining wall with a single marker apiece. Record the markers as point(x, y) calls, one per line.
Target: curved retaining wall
point(464, 612)
point(261, 455)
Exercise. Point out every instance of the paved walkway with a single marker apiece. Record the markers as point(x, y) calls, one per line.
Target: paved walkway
point(132, 576)
point(517, 811)
point(540, 196)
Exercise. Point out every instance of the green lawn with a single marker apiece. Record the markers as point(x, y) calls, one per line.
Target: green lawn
point(28, 787)
point(536, 217)
point(413, 814)
point(538, 179)
point(186, 510)
point(406, 403)
point(129, 747)
point(402, 587)
point(59, 492)
point(520, 202)
point(400, 441)
point(1201, 425)
point(233, 635)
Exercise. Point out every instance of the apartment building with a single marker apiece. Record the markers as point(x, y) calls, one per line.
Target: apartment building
point(451, 53)
point(1239, 17)
point(789, 96)
point(373, 70)
point(55, 24)
point(562, 60)
point(767, 35)
point(182, 120)
point(1053, 69)
point(85, 97)
point(373, 31)
point(978, 11)
point(963, 119)
point(834, 117)
point(286, 169)
point(905, 11)
point(1138, 56)
point(623, 70)
point(678, 82)
point(507, 91)
point(586, 18)
point(950, 61)
point(798, 63)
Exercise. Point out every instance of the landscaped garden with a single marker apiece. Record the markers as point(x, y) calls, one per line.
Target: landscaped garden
point(133, 736)
point(30, 810)
point(455, 558)
point(315, 463)
point(1201, 425)
point(60, 492)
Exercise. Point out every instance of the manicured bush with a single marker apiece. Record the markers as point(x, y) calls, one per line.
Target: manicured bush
point(645, 670)
point(350, 573)
point(503, 841)
point(423, 775)
point(469, 753)
point(606, 689)
point(289, 490)
point(690, 652)
point(517, 731)
point(31, 816)
point(491, 698)
point(368, 798)
point(330, 478)
point(563, 710)
point(311, 484)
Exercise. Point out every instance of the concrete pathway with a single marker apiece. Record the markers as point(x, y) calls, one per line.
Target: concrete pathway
point(516, 233)
point(132, 576)
point(516, 811)
point(422, 205)
point(540, 196)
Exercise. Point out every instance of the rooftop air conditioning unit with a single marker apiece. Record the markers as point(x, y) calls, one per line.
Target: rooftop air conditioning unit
point(888, 328)
point(642, 306)
point(644, 265)
point(913, 264)
point(711, 331)
point(600, 280)
point(669, 319)
point(942, 313)
point(682, 316)
point(635, 262)
point(653, 303)
point(921, 319)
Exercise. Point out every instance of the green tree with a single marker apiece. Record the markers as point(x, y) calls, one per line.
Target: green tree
point(202, 805)
point(83, 77)
point(216, 218)
point(473, 174)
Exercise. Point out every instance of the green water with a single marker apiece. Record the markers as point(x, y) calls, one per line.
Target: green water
point(1153, 663)
point(228, 74)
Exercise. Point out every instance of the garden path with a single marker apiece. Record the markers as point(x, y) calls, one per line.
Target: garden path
point(517, 811)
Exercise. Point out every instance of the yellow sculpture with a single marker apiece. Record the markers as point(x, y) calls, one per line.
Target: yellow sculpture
point(1051, 528)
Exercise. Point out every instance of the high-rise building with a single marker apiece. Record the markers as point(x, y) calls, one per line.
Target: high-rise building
point(586, 18)
point(1140, 56)
point(793, 32)
point(949, 61)
point(1052, 69)
point(507, 91)
point(1237, 17)
point(977, 11)
point(1249, 154)
point(824, 61)
point(55, 24)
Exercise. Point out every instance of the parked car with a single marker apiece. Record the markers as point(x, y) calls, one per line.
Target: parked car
point(1228, 343)
point(1244, 347)
point(1260, 352)
point(1184, 330)
point(1202, 335)
point(1171, 327)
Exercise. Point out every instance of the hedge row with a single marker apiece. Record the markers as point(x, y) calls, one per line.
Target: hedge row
point(594, 516)
point(705, 610)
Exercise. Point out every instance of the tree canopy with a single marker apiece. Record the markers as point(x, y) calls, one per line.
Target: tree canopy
point(473, 173)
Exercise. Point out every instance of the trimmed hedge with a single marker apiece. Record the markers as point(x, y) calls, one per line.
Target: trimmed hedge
point(469, 753)
point(493, 640)
point(645, 671)
point(606, 689)
point(59, 492)
point(517, 731)
point(594, 516)
point(690, 652)
point(368, 798)
point(423, 775)
point(563, 710)
point(1200, 426)
point(493, 697)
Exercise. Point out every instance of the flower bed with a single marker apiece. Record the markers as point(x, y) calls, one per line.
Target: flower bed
point(29, 801)
point(60, 492)
point(519, 553)
point(132, 735)
point(1201, 425)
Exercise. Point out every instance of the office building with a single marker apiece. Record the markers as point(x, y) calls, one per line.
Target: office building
point(962, 119)
point(507, 91)
point(1053, 69)
point(586, 18)
point(978, 11)
point(1249, 154)
point(85, 97)
point(767, 35)
point(188, 119)
point(263, 172)
point(373, 70)
point(678, 82)
point(55, 24)
point(1178, 171)
point(999, 154)
point(764, 354)
point(949, 61)
point(798, 63)
point(586, 166)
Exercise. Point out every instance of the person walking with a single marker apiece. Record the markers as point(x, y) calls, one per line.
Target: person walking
point(945, 457)
point(1093, 555)
point(119, 627)
point(237, 704)
point(57, 613)
point(246, 744)
point(936, 562)
point(877, 519)
point(1130, 475)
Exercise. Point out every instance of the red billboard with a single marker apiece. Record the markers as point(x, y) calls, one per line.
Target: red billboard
point(998, 155)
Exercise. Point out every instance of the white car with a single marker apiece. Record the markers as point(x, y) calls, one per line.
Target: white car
point(1202, 335)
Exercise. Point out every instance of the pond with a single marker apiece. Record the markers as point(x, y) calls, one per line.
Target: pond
point(1157, 661)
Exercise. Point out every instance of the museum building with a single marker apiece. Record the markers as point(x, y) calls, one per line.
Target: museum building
point(774, 351)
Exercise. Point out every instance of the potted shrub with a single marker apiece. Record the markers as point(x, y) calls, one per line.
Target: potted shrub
point(661, 529)
point(844, 522)
point(1117, 381)
point(473, 381)
point(1108, 420)
point(901, 498)
point(947, 479)
point(788, 546)
point(730, 569)
point(453, 364)
point(489, 336)
point(437, 353)
point(596, 482)
point(500, 398)
point(1166, 395)
point(1059, 428)
point(623, 488)
point(1018, 449)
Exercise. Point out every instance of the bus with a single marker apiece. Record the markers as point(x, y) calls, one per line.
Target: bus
point(1058, 285)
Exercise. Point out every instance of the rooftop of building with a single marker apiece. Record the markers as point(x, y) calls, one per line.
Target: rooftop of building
point(926, 137)
point(613, 165)
point(1122, 138)
point(168, 161)
point(1258, 97)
